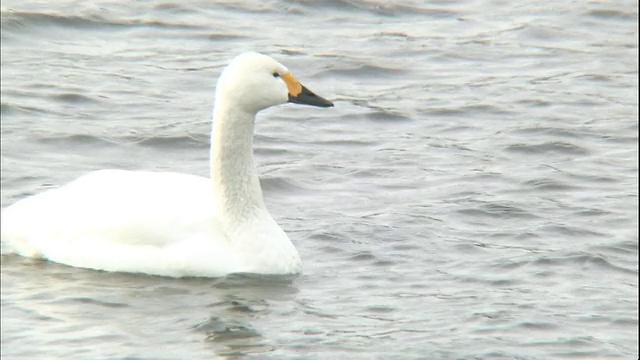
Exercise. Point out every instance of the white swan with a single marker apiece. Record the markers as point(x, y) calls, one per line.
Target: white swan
point(173, 224)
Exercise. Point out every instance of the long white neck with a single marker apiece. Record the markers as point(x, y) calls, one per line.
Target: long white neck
point(233, 171)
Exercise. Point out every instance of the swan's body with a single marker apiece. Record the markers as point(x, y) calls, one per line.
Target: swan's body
point(173, 224)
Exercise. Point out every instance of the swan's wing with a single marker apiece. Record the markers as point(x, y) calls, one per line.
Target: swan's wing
point(112, 207)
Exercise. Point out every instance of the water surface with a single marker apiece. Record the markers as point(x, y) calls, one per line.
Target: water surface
point(472, 195)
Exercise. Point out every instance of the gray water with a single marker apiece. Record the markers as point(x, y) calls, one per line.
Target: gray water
point(472, 195)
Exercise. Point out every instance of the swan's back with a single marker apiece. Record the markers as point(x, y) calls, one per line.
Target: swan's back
point(124, 221)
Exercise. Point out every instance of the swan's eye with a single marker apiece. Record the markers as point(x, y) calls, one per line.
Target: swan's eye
point(276, 75)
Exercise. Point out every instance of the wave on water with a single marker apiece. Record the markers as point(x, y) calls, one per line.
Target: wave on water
point(571, 260)
point(13, 20)
point(548, 147)
point(383, 8)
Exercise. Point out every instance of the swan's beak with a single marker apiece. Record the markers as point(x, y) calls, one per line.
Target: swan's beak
point(299, 94)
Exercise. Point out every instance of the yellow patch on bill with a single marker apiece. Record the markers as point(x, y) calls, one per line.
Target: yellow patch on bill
point(292, 84)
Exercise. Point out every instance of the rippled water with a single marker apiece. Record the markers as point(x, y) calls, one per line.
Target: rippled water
point(473, 194)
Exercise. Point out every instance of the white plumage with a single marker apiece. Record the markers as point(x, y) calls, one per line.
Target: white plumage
point(173, 224)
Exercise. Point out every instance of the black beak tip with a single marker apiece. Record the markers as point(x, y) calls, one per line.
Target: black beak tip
point(327, 103)
point(307, 97)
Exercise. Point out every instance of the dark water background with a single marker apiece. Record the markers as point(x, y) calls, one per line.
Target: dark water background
point(473, 194)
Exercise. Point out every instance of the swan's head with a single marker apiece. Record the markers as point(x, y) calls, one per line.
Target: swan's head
point(255, 82)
